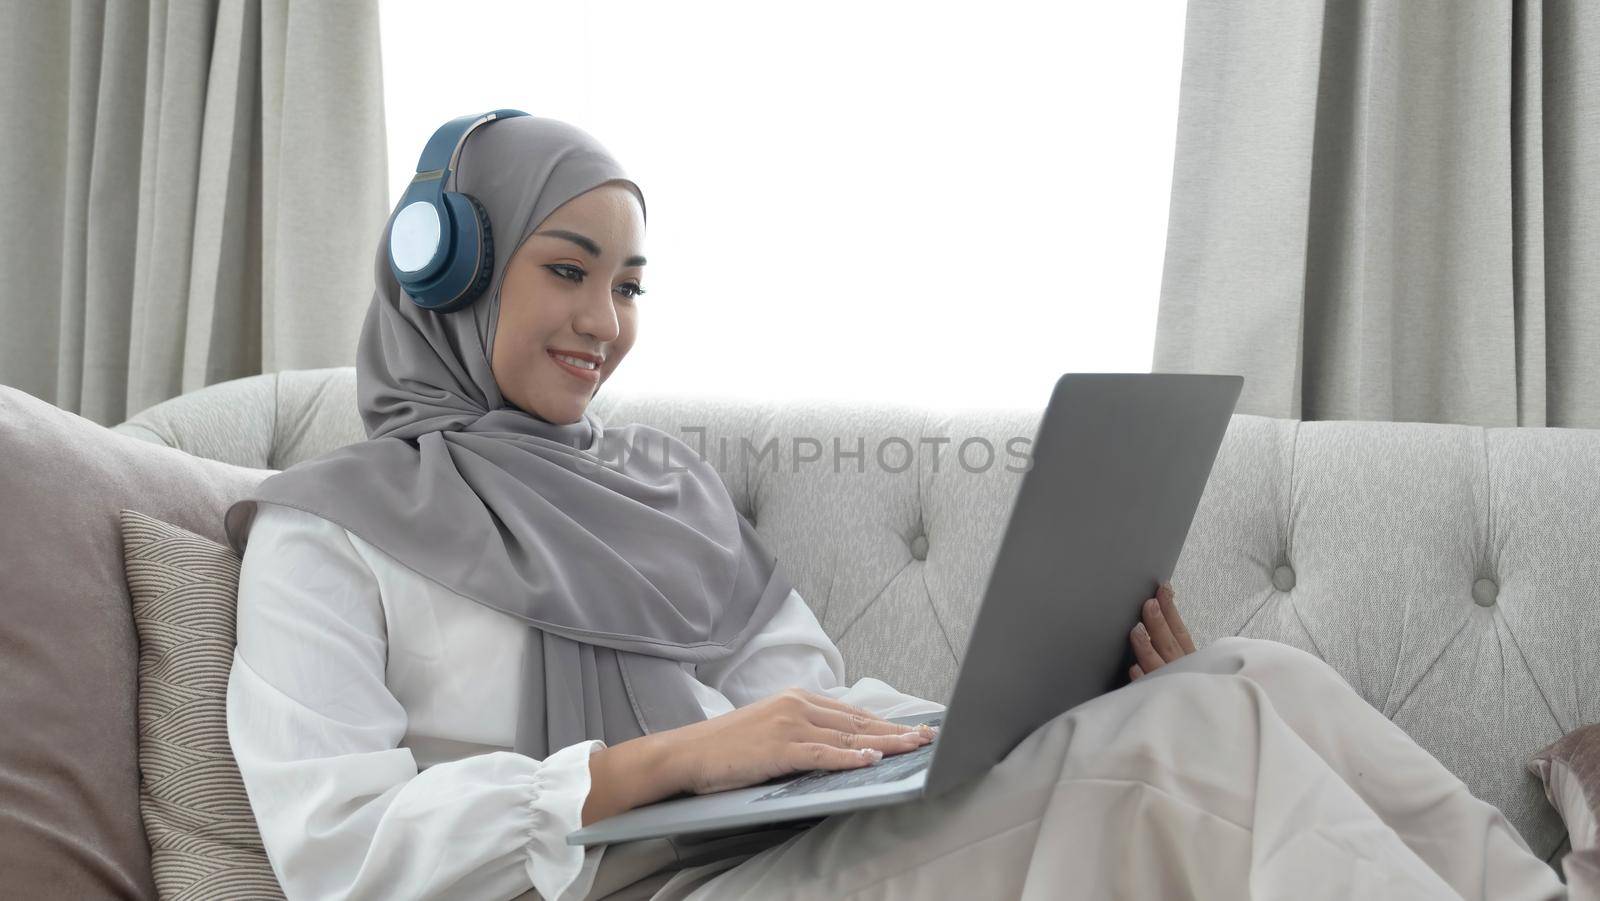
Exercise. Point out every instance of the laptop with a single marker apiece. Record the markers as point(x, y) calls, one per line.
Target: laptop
point(1119, 462)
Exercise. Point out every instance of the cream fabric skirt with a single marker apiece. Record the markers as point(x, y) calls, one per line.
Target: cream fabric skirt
point(1247, 769)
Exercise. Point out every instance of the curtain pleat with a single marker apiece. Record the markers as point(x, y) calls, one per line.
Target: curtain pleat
point(195, 197)
point(1387, 210)
point(1527, 213)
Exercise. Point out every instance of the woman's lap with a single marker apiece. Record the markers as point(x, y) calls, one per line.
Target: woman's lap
point(1465, 839)
point(1225, 774)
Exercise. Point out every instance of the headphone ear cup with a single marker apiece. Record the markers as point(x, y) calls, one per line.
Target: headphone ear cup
point(486, 238)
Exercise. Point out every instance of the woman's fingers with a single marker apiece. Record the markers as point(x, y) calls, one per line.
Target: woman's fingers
point(1143, 652)
point(1160, 633)
point(863, 724)
point(1134, 672)
point(1169, 611)
point(887, 744)
point(872, 720)
point(818, 756)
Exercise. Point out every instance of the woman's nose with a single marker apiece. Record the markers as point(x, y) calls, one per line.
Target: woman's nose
point(598, 317)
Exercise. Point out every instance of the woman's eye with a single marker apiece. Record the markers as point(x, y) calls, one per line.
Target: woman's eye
point(574, 274)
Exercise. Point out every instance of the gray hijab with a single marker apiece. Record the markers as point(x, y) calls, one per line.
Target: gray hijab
point(619, 547)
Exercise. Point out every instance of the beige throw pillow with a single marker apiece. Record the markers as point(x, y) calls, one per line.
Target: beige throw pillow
point(204, 842)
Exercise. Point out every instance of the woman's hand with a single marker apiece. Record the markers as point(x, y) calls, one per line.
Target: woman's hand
point(792, 731)
point(1161, 637)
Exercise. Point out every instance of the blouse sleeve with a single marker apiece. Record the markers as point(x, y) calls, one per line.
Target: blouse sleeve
point(342, 810)
point(793, 650)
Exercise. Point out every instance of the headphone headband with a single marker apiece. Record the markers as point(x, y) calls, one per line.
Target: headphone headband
point(444, 148)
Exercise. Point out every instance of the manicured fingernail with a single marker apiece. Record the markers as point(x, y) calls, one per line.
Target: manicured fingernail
point(872, 754)
point(1151, 605)
point(1140, 629)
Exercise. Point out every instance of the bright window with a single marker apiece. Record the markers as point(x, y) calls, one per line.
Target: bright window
point(938, 203)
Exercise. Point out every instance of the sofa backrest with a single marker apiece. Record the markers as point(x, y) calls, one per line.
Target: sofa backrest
point(1449, 572)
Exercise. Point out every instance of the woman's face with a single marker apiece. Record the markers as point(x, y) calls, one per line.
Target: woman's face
point(570, 288)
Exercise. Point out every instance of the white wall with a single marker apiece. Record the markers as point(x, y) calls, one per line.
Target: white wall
point(937, 203)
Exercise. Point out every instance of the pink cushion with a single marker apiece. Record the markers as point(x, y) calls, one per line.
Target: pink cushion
point(1570, 769)
point(69, 774)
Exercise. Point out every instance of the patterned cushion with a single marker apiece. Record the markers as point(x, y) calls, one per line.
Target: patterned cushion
point(203, 837)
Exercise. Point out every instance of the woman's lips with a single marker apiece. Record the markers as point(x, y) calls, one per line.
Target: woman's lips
point(589, 376)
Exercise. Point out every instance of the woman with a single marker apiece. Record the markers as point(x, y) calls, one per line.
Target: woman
point(390, 748)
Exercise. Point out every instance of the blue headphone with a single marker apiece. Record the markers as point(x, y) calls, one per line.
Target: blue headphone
point(441, 250)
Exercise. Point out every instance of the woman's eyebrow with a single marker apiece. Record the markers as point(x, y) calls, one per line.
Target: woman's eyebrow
point(587, 244)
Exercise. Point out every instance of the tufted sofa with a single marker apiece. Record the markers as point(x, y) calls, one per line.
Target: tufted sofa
point(1449, 572)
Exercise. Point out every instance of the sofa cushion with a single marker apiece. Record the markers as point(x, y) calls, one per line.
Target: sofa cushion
point(204, 842)
point(69, 769)
point(1446, 571)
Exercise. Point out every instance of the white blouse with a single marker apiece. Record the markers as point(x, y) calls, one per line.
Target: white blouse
point(372, 712)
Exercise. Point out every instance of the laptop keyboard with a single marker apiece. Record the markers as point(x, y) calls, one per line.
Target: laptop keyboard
point(887, 769)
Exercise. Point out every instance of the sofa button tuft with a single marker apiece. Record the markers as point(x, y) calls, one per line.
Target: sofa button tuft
point(1283, 578)
point(919, 547)
point(1484, 591)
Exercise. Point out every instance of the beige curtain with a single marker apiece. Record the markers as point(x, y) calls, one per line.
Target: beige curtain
point(192, 193)
point(1389, 210)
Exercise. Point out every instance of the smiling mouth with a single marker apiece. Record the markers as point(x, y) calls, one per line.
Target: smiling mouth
point(588, 376)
